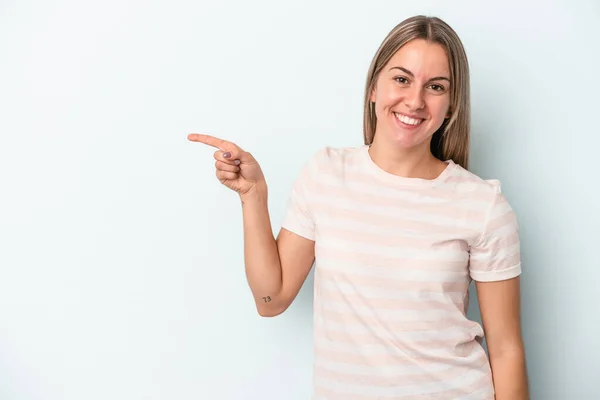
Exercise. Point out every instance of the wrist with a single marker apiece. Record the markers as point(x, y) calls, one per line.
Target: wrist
point(258, 192)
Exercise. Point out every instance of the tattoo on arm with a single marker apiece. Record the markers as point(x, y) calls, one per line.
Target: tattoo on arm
point(267, 299)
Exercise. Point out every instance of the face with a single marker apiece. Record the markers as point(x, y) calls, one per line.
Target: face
point(412, 95)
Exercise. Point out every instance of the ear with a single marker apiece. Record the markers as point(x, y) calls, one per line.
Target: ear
point(373, 94)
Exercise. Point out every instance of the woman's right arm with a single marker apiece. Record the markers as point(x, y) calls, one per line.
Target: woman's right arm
point(275, 268)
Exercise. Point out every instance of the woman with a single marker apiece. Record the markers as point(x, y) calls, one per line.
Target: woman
point(398, 229)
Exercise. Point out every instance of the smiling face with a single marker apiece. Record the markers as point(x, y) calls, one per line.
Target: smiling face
point(412, 96)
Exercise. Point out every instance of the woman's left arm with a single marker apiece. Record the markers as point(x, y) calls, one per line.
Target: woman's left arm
point(500, 307)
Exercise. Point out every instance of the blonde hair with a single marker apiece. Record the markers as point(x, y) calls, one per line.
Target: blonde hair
point(452, 139)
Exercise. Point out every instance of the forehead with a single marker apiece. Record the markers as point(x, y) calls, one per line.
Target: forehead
point(423, 58)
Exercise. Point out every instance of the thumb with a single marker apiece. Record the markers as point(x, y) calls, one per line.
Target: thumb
point(238, 156)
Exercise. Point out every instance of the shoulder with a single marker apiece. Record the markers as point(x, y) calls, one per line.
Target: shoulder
point(329, 154)
point(332, 159)
point(325, 161)
point(329, 165)
point(486, 196)
point(465, 182)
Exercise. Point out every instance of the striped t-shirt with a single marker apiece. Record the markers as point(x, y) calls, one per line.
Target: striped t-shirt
point(394, 260)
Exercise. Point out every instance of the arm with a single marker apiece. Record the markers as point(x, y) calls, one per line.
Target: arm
point(275, 269)
point(499, 303)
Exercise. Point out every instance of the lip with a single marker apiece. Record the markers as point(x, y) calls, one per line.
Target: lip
point(409, 115)
point(407, 126)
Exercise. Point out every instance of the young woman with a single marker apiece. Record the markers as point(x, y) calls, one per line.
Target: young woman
point(397, 229)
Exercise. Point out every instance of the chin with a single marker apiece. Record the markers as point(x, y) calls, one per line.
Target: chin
point(407, 140)
point(409, 137)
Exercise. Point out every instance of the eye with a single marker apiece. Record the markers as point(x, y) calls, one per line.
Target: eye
point(437, 88)
point(401, 79)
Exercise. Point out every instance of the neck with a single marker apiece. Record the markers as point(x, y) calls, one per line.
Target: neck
point(409, 163)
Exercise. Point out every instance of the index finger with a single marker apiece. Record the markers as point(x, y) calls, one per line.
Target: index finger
point(211, 141)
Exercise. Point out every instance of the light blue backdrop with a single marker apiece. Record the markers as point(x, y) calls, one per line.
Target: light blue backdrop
point(121, 264)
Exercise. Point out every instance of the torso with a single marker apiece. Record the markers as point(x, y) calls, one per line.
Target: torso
point(391, 282)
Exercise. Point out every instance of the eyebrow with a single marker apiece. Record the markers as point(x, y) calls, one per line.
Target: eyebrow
point(437, 78)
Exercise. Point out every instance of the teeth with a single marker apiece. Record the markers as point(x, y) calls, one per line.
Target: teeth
point(408, 120)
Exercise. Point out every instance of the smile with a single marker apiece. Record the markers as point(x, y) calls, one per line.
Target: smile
point(408, 120)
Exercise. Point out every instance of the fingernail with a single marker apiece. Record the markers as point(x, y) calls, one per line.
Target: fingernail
point(237, 162)
point(227, 154)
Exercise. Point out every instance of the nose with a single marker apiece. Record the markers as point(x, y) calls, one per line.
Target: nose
point(414, 98)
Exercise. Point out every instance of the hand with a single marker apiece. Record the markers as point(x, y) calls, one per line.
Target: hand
point(235, 168)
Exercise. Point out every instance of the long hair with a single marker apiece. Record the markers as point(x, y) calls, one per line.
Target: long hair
point(452, 139)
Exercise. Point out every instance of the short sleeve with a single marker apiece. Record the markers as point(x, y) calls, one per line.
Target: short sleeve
point(496, 255)
point(298, 217)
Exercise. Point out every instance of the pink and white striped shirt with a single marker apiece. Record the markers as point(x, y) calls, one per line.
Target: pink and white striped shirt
point(394, 260)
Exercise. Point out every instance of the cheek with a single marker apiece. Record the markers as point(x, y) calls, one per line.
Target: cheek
point(390, 95)
point(439, 107)
point(386, 99)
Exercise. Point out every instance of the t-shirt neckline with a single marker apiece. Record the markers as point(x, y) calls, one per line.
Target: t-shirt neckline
point(402, 180)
